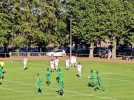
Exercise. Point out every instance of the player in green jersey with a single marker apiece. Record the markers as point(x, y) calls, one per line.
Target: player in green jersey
point(59, 75)
point(95, 81)
point(92, 79)
point(48, 75)
point(60, 81)
point(99, 85)
point(39, 84)
point(2, 71)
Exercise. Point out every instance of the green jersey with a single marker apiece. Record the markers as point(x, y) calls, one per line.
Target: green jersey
point(100, 85)
point(93, 78)
point(99, 80)
point(60, 75)
point(1, 72)
point(39, 83)
point(60, 79)
point(61, 84)
point(48, 75)
point(93, 75)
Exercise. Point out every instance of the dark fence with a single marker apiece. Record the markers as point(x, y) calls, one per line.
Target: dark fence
point(17, 54)
point(123, 53)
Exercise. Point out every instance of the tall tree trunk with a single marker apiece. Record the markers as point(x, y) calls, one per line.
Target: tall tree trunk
point(91, 54)
point(114, 49)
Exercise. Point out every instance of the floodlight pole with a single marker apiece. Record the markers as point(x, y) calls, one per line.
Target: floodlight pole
point(70, 32)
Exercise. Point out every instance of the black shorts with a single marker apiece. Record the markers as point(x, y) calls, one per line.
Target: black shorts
point(39, 90)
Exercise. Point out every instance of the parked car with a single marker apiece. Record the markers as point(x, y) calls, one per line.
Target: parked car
point(124, 51)
point(83, 52)
point(101, 52)
point(58, 53)
point(67, 50)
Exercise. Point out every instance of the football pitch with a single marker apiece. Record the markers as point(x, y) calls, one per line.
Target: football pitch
point(118, 80)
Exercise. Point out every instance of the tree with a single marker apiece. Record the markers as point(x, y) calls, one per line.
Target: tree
point(35, 20)
point(5, 23)
point(87, 23)
point(117, 21)
point(62, 23)
point(42, 22)
point(102, 19)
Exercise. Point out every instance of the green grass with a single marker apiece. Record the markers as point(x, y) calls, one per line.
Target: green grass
point(118, 80)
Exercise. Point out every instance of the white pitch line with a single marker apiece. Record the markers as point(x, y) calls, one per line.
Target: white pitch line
point(116, 74)
point(107, 98)
point(123, 80)
point(9, 89)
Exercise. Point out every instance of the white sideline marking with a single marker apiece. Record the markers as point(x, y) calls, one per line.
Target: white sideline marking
point(123, 80)
point(115, 74)
point(16, 91)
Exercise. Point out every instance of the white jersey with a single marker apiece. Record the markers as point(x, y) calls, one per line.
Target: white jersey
point(2, 63)
point(79, 67)
point(25, 61)
point(73, 60)
point(67, 63)
point(56, 63)
point(52, 64)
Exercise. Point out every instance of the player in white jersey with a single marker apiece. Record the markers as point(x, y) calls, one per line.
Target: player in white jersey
point(2, 64)
point(79, 69)
point(56, 63)
point(52, 64)
point(67, 63)
point(25, 61)
point(73, 61)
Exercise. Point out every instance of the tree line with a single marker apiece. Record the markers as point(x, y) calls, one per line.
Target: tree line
point(42, 22)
